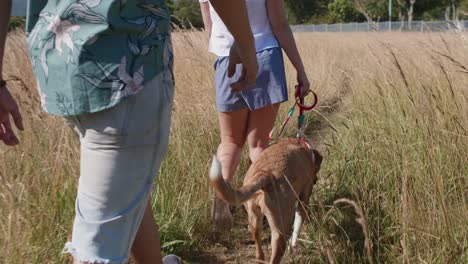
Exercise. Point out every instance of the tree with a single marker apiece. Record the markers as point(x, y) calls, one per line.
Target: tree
point(464, 7)
point(16, 22)
point(406, 11)
point(301, 11)
point(186, 13)
point(411, 13)
point(361, 6)
point(342, 11)
point(451, 12)
point(372, 10)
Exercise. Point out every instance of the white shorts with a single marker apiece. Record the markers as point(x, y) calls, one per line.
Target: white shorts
point(121, 152)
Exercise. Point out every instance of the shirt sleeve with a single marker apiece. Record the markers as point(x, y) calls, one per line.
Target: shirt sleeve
point(203, 1)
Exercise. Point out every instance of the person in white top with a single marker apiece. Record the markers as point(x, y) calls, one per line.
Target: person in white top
point(221, 40)
point(249, 115)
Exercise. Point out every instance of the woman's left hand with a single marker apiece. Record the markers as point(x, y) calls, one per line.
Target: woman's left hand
point(8, 106)
point(303, 81)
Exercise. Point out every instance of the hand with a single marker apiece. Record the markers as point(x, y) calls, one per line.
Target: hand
point(246, 56)
point(8, 106)
point(303, 81)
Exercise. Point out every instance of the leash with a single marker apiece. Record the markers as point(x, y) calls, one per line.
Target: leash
point(301, 118)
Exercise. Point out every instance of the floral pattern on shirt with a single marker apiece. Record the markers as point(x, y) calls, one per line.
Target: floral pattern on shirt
point(88, 55)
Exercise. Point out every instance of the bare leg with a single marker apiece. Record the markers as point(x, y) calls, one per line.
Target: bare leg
point(260, 124)
point(146, 248)
point(233, 129)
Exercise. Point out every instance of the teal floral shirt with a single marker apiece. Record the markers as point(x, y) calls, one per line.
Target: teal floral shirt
point(88, 55)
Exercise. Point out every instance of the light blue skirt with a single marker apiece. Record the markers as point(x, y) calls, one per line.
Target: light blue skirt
point(271, 87)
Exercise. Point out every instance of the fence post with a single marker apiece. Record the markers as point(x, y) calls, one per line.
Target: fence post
point(326, 27)
point(341, 27)
point(422, 26)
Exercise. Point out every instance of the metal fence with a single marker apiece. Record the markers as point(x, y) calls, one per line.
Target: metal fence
point(19, 9)
point(414, 26)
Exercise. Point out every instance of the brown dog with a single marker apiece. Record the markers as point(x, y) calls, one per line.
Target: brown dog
point(281, 176)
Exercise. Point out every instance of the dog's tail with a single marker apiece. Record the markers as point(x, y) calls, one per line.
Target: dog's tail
point(224, 190)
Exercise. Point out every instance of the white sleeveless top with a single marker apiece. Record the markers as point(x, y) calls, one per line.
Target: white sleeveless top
point(221, 40)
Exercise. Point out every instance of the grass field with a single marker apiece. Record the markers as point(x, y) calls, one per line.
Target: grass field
point(392, 125)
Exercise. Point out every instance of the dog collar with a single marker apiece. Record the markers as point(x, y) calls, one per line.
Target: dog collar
point(304, 143)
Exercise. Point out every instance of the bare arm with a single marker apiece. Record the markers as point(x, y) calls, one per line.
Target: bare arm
point(282, 31)
point(8, 105)
point(234, 15)
point(205, 10)
point(5, 12)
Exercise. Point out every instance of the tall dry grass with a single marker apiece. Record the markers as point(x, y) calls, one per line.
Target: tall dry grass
point(392, 124)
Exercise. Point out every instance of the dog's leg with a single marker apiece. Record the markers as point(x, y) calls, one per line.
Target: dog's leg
point(298, 220)
point(280, 215)
point(278, 246)
point(256, 226)
point(301, 213)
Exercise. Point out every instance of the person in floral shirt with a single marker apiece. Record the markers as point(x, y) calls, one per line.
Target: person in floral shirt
point(106, 67)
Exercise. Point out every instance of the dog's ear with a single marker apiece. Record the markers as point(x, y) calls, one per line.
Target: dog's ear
point(316, 157)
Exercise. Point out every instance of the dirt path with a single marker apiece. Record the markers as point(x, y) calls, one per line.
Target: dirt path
point(237, 247)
